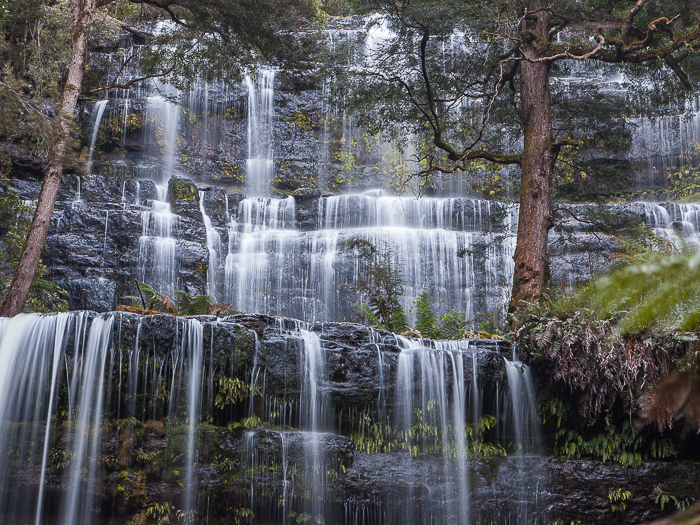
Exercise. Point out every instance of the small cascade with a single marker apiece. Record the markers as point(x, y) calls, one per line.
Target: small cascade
point(679, 224)
point(314, 420)
point(431, 413)
point(260, 161)
point(256, 254)
point(100, 109)
point(87, 390)
point(104, 242)
point(213, 247)
point(62, 378)
point(31, 351)
point(524, 405)
point(192, 345)
point(126, 118)
point(667, 138)
point(157, 263)
point(526, 437)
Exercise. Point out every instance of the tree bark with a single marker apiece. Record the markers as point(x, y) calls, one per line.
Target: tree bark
point(81, 16)
point(537, 168)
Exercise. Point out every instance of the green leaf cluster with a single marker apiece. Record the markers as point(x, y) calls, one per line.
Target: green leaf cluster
point(447, 326)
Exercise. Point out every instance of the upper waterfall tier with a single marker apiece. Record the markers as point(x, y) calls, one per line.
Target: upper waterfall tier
point(377, 209)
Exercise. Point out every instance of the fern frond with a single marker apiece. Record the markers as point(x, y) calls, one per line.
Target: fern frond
point(399, 322)
point(371, 317)
point(194, 304)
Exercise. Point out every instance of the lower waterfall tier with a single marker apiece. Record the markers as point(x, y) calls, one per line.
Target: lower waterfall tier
point(121, 418)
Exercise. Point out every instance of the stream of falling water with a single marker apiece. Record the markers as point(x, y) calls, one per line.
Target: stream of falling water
point(38, 366)
point(260, 161)
point(100, 109)
point(272, 267)
point(157, 262)
point(213, 247)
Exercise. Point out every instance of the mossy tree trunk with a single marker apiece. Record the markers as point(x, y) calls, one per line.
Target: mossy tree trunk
point(538, 158)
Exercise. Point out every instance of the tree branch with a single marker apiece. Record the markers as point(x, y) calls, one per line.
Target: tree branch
point(673, 63)
point(649, 38)
point(567, 53)
point(629, 21)
point(133, 81)
point(130, 29)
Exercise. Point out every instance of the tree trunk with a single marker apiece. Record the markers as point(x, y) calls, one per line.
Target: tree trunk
point(81, 16)
point(537, 165)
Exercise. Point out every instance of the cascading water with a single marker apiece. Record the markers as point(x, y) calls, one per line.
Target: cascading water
point(260, 161)
point(679, 224)
point(213, 247)
point(103, 400)
point(272, 267)
point(526, 434)
point(432, 417)
point(61, 381)
point(84, 432)
point(256, 253)
point(157, 248)
point(100, 109)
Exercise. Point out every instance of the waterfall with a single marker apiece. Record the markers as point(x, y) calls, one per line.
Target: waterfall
point(260, 161)
point(524, 404)
point(678, 224)
point(100, 108)
point(95, 406)
point(192, 343)
point(314, 420)
point(249, 267)
point(85, 437)
point(157, 260)
point(425, 401)
point(157, 263)
point(31, 349)
point(273, 267)
point(525, 432)
point(104, 242)
point(213, 247)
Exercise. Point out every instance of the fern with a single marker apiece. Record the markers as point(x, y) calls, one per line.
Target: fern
point(449, 326)
point(153, 298)
point(194, 304)
point(426, 323)
point(371, 317)
point(665, 289)
point(398, 321)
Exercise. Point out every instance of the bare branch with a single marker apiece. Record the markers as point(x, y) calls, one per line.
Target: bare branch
point(673, 63)
point(130, 29)
point(629, 21)
point(649, 38)
point(568, 55)
point(128, 84)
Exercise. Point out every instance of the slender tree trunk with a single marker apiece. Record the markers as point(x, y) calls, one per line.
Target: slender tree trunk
point(81, 16)
point(538, 159)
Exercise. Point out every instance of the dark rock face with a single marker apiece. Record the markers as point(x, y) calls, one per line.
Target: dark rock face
point(537, 490)
point(93, 244)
